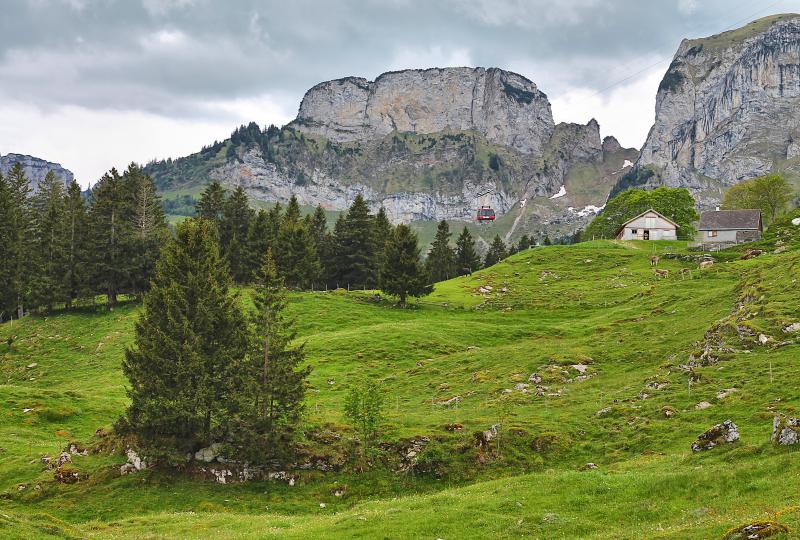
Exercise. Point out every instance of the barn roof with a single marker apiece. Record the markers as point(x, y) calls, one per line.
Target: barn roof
point(659, 214)
point(720, 220)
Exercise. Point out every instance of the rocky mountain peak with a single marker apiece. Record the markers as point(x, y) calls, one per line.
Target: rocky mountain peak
point(503, 106)
point(35, 168)
point(726, 111)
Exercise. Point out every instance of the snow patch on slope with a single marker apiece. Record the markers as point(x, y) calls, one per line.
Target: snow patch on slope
point(561, 192)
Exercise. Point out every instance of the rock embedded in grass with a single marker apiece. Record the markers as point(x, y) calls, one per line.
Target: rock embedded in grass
point(785, 430)
point(757, 530)
point(726, 432)
point(702, 405)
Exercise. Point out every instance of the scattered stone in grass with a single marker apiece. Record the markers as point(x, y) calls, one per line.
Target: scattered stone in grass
point(551, 517)
point(453, 427)
point(32, 365)
point(668, 411)
point(589, 466)
point(580, 368)
point(657, 385)
point(322, 505)
point(68, 475)
point(643, 395)
point(331, 382)
point(450, 402)
point(756, 531)
point(726, 432)
point(702, 405)
point(779, 250)
point(794, 327)
point(763, 339)
point(77, 450)
point(725, 393)
point(27, 410)
point(338, 491)
point(522, 387)
point(21, 487)
point(472, 348)
point(535, 378)
point(101, 433)
point(45, 459)
point(507, 391)
point(63, 458)
point(603, 412)
point(785, 430)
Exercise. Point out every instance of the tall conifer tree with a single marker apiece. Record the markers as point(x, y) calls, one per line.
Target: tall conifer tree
point(111, 227)
point(186, 368)
point(149, 227)
point(275, 371)
point(295, 253)
point(49, 242)
point(355, 246)
point(441, 263)
point(403, 274)
point(19, 227)
point(75, 277)
point(467, 260)
point(497, 252)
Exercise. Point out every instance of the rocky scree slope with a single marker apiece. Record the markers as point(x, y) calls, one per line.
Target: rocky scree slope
point(35, 168)
point(424, 144)
point(726, 110)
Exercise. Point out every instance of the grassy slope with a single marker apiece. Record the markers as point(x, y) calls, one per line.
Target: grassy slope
point(597, 303)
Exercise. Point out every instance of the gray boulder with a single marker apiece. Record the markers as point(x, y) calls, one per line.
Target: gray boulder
point(785, 430)
point(726, 432)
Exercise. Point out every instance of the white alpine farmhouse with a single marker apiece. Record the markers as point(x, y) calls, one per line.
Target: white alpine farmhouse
point(649, 225)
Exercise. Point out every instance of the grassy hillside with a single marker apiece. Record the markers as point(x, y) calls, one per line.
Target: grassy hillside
point(637, 342)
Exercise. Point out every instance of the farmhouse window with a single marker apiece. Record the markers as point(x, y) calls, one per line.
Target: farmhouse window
point(712, 234)
point(634, 231)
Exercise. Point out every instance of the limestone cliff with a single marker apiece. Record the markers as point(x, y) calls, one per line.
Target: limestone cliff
point(35, 169)
point(727, 109)
point(504, 107)
point(425, 145)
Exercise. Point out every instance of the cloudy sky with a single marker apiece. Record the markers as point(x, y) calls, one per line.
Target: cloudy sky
point(99, 83)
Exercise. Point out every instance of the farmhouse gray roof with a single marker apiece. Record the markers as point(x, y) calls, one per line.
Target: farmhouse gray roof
point(720, 220)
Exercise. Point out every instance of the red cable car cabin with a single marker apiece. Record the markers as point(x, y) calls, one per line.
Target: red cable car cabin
point(486, 213)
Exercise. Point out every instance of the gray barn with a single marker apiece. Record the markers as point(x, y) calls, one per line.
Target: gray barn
point(649, 225)
point(730, 226)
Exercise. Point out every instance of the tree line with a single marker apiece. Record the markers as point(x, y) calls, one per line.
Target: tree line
point(59, 248)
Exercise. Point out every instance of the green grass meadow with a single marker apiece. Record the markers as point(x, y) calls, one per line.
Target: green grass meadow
point(596, 305)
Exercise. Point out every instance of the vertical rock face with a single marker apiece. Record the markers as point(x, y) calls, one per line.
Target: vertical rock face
point(35, 169)
point(506, 108)
point(727, 110)
point(425, 145)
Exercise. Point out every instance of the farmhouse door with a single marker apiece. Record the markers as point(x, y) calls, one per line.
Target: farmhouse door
point(646, 234)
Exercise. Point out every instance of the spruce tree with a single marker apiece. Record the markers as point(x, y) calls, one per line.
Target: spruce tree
point(295, 252)
point(441, 260)
point(259, 240)
point(403, 274)
point(275, 371)
point(186, 370)
point(149, 227)
point(212, 202)
point(319, 228)
point(467, 260)
point(75, 277)
point(236, 218)
point(354, 247)
point(18, 221)
point(7, 297)
point(497, 252)
point(382, 230)
point(48, 243)
point(111, 235)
